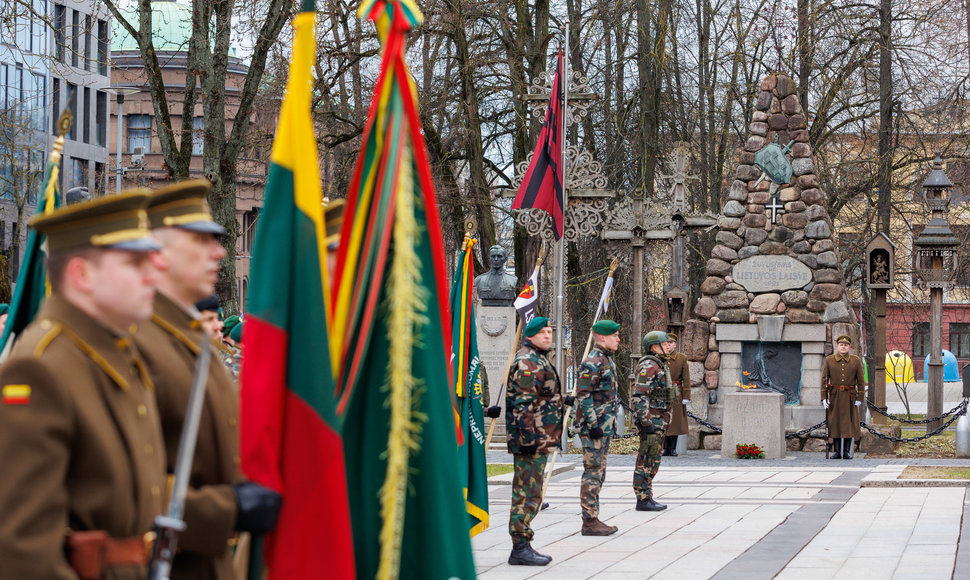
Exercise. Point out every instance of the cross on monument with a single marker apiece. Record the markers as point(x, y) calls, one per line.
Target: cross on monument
point(776, 208)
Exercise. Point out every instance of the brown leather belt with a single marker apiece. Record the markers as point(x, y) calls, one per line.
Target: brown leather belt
point(843, 388)
point(90, 552)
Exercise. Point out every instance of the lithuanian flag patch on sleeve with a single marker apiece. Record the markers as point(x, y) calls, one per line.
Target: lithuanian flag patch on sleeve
point(16, 394)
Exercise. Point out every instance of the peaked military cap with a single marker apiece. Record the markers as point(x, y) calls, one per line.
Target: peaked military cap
point(535, 325)
point(671, 336)
point(208, 303)
point(606, 327)
point(844, 338)
point(112, 222)
point(184, 205)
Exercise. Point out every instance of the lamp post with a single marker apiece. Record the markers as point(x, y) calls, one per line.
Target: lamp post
point(936, 265)
point(121, 93)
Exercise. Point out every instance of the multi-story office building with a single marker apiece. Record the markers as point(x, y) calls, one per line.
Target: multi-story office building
point(53, 56)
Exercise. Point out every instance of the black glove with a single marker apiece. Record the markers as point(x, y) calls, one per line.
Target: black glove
point(528, 449)
point(647, 428)
point(257, 507)
point(595, 433)
point(712, 397)
point(493, 412)
point(569, 400)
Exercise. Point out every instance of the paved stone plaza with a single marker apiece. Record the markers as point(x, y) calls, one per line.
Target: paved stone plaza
point(793, 518)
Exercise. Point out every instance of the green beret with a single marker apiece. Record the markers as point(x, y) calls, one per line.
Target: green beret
point(535, 325)
point(4, 308)
point(844, 338)
point(229, 323)
point(606, 327)
point(236, 332)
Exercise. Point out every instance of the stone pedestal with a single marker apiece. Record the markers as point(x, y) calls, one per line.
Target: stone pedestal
point(754, 417)
point(496, 335)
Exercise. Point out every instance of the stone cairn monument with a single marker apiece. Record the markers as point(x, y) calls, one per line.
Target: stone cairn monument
point(774, 295)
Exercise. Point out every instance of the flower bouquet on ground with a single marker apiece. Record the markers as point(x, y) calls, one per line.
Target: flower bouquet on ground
point(749, 451)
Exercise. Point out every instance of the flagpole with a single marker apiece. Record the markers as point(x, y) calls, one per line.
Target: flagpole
point(560, 312)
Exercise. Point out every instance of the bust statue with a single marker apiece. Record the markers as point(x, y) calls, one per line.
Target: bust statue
point(496, 287)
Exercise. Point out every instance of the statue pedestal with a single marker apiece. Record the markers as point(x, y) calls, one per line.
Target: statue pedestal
point(754, 417)
point(496, 335)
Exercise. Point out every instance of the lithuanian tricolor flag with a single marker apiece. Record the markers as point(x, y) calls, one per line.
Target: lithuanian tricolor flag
point(290, 440)
point(468, 389)
point(32, 286)
point(394, 346)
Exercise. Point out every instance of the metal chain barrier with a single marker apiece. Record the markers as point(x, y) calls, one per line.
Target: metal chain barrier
point(805, 431)
point(933, 433)
point(917, 421)
point(711, 426)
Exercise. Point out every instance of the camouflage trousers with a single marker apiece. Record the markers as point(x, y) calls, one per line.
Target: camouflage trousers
point(594, 473)
point(648, 456)
point(526, 494)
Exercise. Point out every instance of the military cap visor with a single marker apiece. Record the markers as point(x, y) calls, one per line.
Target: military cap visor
point(184, 205)
point(535, 325)
point(844, 338)
point(671, 337)
point(112, 222)
point(606, 327)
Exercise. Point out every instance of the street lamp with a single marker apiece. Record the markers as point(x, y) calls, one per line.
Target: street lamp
point(936, 265)
point(121, 93)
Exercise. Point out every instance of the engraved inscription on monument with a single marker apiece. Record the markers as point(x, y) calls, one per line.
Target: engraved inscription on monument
point(771, 273)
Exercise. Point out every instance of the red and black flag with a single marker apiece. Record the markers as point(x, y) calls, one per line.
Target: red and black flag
point(542, 185)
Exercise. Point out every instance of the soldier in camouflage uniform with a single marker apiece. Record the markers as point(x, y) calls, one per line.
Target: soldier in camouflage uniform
point(596, 421)
point(653, 397)
point(533, 423)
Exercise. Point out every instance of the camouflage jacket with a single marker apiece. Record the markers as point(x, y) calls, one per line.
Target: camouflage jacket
point(596, 393)
point(652, 389)
point(533, 402)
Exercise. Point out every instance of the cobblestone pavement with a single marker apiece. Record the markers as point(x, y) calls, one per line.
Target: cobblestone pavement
point(800, 517)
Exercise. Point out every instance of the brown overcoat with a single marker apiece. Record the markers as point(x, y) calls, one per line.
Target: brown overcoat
point(84, 452)
point(680, 375)
point(843, 383)
point(170, 345)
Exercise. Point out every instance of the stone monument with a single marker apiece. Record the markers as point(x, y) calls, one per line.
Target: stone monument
point(774, 296)
point(495, 291)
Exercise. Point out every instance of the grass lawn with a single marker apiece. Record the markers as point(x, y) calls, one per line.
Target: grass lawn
point(498, 468)
point(930, 472)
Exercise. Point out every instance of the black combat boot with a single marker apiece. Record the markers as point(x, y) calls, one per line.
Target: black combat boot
point(648, 505)
point(523, 555)
point(847, 448)
point(837, 449)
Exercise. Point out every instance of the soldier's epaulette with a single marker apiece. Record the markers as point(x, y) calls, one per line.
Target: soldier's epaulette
point(97, 358)
point(53, 329)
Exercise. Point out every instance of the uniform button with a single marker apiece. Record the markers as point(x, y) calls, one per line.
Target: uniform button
point(156, 492)
point(149, 450)
point(142, 411)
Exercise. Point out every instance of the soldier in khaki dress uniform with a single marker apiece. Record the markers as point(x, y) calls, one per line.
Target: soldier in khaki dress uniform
point(81, 450)
point(219, 501)
point(680, 375)
point(843, 390)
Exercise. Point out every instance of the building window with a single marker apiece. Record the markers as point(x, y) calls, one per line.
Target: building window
point(921, 340)
point(100, 179)
point(960, 339)
point(60, 24)
point(87, 42)
point(103, 47)
point(86, 127)
point(75, 35)
point(101, 119)
point(79, 173)
point(38, 108)
point(249, 230)
point(72, 104)
point(139, 132)
point(198, 135)
point(55, 103)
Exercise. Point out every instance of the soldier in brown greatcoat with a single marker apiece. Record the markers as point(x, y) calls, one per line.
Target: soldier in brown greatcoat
point(843, 390)
point(680, 376)
point(80, 445)
point(219, 501)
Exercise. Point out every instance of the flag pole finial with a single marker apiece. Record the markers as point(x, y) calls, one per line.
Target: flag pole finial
point(63, 125)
